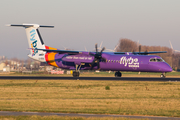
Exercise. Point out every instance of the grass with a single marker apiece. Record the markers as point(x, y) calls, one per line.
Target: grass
point(81, 96)
point(107, 88)
point(34, 117)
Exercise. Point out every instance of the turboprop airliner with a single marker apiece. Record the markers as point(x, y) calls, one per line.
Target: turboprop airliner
point(98, 60)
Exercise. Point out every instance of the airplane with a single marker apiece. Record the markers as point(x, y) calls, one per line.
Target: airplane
point(98, 60)
point(172, 47)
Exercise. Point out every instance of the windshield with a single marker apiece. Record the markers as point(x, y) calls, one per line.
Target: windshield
point(156, 60)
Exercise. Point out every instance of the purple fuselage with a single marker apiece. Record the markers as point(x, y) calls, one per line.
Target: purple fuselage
point(114, 62)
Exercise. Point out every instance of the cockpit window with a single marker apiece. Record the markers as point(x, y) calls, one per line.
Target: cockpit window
point(156, 60)
point(153, 60)
point(160, 60)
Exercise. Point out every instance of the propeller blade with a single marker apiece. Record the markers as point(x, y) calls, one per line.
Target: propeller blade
point(102, 50)
point(98, 65)
point(133, 51)
point(85, 48)
point(92, 64)
point(91, 54)
point(115, 48)
point(103, 59)
point(96, 48)
point(145, 53)
point(139, 49)
point(171, 45)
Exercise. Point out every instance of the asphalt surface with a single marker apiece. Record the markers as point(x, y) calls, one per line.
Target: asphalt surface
point(89, 78)
point(9, 113)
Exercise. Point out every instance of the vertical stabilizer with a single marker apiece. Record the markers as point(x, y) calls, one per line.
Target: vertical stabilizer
point(35, 40)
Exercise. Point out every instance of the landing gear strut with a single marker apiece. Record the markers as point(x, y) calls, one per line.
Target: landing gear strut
point(118, 74)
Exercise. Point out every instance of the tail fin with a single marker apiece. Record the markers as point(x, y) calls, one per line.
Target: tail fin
point(34, 40)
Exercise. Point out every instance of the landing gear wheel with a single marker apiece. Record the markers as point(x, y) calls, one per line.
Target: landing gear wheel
point(118, 74)
point(76, 74)
point(162, 76)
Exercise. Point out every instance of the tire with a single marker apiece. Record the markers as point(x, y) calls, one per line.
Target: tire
point(118, 74)
point(75, 74)
point(162, 76)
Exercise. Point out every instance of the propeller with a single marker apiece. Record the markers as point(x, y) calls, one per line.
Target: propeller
point(146, 52)
point(133, 52)
point(97, 57)
point(140, 53)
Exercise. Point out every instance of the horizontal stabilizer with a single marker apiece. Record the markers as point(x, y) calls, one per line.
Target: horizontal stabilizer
point(29, 25)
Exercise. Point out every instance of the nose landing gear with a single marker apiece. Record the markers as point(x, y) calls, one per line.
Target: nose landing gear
point(163, 75)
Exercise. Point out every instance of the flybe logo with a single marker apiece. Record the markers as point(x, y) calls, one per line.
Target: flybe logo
point(34, 42)
point(130, 62)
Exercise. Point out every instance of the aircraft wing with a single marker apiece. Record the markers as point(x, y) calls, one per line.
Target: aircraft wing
point(83, 52)
point(121, 52)
point(152, 52)
point(141, 53)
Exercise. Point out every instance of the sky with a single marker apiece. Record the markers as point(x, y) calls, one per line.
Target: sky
point(83, 23)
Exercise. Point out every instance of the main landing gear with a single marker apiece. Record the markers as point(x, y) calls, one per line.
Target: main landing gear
point(118, 74)
point(76, 73)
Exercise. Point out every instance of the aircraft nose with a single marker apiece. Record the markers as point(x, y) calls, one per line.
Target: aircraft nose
point(167, 68)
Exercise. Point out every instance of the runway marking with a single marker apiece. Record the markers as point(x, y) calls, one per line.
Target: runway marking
point(91, 78)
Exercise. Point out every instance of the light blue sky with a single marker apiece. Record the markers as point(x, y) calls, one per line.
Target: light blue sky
point(80, 23)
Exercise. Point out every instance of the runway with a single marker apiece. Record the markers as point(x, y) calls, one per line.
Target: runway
point(10, 113)
point(89, 78)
